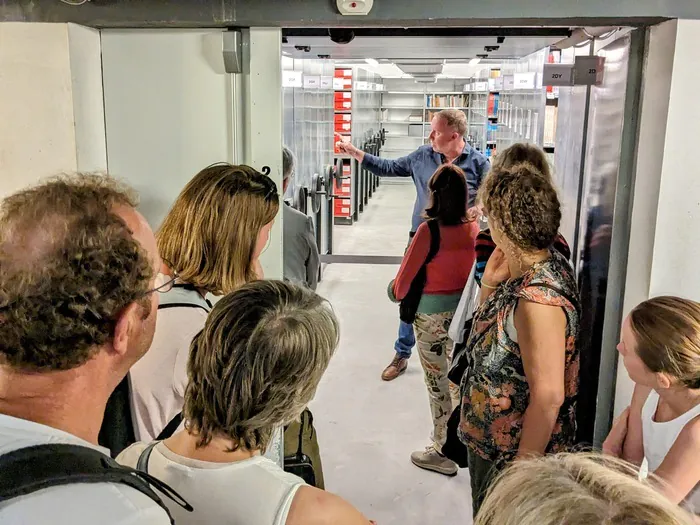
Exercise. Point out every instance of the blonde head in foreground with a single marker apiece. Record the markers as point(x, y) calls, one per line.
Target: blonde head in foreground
point(576, 489)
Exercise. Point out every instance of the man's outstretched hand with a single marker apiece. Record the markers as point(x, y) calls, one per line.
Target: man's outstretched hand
point(345, 146)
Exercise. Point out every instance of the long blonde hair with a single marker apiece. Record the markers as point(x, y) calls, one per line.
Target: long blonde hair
point(667, 333)
point(576, 489)
point(210, 233)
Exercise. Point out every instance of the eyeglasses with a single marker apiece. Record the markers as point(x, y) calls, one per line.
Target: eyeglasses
point(163, 283)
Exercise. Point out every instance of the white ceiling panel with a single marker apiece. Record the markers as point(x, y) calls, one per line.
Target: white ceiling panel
point(395, 48)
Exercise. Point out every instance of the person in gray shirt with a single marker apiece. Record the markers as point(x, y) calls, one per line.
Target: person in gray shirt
point(300, 251)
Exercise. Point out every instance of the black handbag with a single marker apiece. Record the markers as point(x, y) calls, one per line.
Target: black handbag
point(453, 448)
point(409, 304)
point(300, 464)
point(460, 359)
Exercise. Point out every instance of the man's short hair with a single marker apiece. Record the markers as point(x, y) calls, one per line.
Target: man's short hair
point(68, 266)
point(456, 119)
point(288, 163)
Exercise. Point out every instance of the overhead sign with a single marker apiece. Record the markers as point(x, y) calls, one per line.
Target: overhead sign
point(588, 71)
point(312, 82)
point(291, 79)
point(508, 82)
point(524, 81)
point(558, 75)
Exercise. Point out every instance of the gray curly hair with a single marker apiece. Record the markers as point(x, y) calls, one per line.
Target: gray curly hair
point(68, 265)
point(257, 362)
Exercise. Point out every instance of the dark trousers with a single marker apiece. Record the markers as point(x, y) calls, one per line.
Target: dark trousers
point(482, 473)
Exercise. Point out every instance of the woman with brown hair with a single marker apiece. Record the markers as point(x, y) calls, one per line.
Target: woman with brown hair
point(210, 242)
point(660, 347)
point(441, 255)
point(519, 391)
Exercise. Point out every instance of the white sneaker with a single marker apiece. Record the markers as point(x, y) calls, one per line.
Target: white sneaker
point(431, 459)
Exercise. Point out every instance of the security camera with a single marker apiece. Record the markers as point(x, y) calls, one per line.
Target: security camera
point(341, 36)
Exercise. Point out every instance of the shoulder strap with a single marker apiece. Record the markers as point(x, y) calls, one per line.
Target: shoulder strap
point(301, 432)
point(182, 305)
point(170, 428)
point(142, 463)
point(184, 296)
point(30, 469)
point(434, 227)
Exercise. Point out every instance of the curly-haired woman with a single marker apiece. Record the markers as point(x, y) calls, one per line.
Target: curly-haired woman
point(518, 395)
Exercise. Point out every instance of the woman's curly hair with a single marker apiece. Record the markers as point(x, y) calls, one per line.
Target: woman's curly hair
point(522, 203)
point(68, 265)
point(257, 362)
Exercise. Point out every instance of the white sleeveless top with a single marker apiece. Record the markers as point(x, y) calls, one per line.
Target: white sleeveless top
point(254, 491)
point(660, 437)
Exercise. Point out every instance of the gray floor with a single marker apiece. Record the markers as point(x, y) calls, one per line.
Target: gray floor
point(368, 428)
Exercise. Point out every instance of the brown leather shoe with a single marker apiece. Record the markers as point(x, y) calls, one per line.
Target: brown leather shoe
point(397, 367)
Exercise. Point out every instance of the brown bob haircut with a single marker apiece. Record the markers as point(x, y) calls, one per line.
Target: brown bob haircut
point(209, 235)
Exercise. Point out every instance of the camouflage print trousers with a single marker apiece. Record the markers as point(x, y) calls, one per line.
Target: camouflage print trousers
point(435, 351)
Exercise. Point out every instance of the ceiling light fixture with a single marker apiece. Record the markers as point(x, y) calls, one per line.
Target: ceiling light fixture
point(372, 62)
point(474, 61)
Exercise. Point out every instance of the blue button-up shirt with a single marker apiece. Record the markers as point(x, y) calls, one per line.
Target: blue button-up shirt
point(420, 166)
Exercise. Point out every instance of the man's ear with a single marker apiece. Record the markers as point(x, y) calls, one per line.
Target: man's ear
point(122, 330)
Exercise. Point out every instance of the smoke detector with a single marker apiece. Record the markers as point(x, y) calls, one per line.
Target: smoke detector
point(355, 7)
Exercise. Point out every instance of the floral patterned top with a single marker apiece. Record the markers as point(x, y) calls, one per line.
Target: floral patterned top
point(494, 389)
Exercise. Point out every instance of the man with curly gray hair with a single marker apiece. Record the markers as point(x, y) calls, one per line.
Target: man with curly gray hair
point(78, 282)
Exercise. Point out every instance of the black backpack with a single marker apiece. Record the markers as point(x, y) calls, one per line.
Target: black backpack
point(117, 431)
point(409, 304)
point(30, 469)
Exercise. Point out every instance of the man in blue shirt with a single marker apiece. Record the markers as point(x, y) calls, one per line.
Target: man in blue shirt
point(447, 145)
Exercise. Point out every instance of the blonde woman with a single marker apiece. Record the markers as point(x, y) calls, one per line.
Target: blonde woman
point(253, 368)
point(210, 242)
point(576, 489)
point(660, 347)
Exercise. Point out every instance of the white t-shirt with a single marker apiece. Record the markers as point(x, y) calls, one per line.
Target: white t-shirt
point(159, 378)
point(659, 438)
point(255, 491)
point(75, 504)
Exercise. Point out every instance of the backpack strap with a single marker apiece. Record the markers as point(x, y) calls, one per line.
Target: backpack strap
point(434, 227)
point(145, 456)
point(184, 296)
point(170, 428)
point(30, 469)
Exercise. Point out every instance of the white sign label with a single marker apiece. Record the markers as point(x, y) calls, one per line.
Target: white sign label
point(525, 81)
point(508, 82)
point(480, 86)
point(291, 79)
point(338, 83)
point(312, 82)
point(326, 82)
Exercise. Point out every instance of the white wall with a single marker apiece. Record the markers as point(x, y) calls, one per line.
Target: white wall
point(50, 102)
point(169, 112)
point(677, 244)
point(663, 247)
point(166, 112)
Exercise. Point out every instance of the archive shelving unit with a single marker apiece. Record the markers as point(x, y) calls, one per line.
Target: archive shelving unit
point(407, 109)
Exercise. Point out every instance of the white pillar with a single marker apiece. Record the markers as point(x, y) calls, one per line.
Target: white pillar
point(51, 113)
point(261, 98)
point(664, 244)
